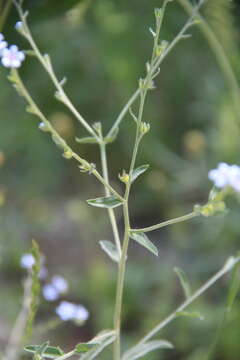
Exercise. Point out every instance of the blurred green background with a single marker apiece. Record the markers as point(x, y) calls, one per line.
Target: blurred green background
point(102, 47)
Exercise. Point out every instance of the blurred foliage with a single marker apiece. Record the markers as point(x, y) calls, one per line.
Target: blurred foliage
point(102, 46)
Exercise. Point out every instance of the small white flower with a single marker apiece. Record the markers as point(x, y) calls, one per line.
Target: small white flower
point(81, 314)
point(18, 25)
point(50, 293)
point(226, 175)
point(12, 57)
point(27, 261)
point(60, 284)
point(66, 310)
point(220, 176)
point(69, 311)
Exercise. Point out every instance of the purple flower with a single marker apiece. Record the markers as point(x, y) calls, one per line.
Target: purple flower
point(12, 57)
point(27, 261)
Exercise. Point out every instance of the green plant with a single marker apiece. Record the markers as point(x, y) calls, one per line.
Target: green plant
point(118, 251)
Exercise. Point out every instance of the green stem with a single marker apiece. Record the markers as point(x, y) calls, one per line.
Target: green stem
point(66, 356)
point(231, 262)
point(55, 134)
point(220, 54)
point(46, 63)
point(166, 223)
point(5, 13)
point(111, 212)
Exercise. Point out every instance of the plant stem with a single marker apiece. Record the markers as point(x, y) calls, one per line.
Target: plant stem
point(16, 336)
point(111, 212)
point(55, 134)
point(4, 13)
point(66, 356)
point(46, 63)
point(220, 54)
point(231, 262)
point(166, 223)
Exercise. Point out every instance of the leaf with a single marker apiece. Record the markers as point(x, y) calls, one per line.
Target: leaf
point(138, 171)
point(103, 339)
point(105, 202)
point(110, 249)
point(143, 240)
point(87, 140)
point(184, 282)
point(83, 348)
point(41, 349)
point(139, 351)
point(195, 315)
point(50, 352)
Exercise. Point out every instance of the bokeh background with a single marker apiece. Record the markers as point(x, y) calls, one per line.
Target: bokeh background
point(102, 47)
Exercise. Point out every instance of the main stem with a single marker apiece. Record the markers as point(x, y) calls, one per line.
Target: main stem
point(111, 213)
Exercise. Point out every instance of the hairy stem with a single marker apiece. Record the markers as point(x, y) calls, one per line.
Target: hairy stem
point(4, 13)
point(166, 223)
point(231, 262)
point(111, 212)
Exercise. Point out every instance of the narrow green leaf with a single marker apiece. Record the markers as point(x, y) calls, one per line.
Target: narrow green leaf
point(83, 348)
point(110, 249)
point(41, 349)
point(234, 287)
point(138, 171)
point(50, 352)
point(183, 281)
point(143, 240)
point(105, 202)
point(195, 315)
point(141, 350)
point(87, 140)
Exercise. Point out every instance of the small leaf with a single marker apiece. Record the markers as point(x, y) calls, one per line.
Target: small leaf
point(110, 249)
point(184, 282)
point(87, 140)
point(139, 351)
point(83, 347)
point(105, 202)
point(195, 315)
point(138, 171)
point(50, 352)
point(41, 349)
point(143, 240)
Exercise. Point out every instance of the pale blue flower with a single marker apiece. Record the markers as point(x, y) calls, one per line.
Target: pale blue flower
point(66, 310)
point(69, 311)
point(50, 293)
point(27, 261)
point(60, 284)
point(226, 175)
point(12, 57)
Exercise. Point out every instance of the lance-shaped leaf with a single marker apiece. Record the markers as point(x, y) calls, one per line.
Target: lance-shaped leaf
point(102, 340)
point(87, 140)
point(105, 202)
point(183, 281)
point(138, 171)
point(141, 350)
point(50, 352)
point(110, 249)
point(143, 240)
point(194, 314)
